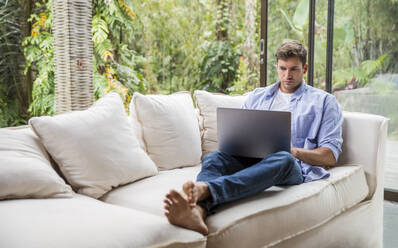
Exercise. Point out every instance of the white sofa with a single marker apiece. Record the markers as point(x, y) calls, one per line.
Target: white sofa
point(344, 210)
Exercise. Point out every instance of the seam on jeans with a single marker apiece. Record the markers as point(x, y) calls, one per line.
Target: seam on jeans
point(357, 167)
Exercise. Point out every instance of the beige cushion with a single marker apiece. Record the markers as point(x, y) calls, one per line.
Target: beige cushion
point(96, 149)
point(296, 209)
point(170, 129)
point(25, 168)
point(207, 104)
point(149, 193)
point(136, 125)
point(83, 222)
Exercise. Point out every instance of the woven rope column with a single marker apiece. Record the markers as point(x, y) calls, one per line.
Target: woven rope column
point(73, 55)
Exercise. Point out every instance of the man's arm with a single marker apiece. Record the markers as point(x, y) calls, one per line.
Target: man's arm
point(329, 138)
point(321, 156)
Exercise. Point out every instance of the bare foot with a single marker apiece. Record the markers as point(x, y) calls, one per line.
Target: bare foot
point(180, 213)
point(195, 191)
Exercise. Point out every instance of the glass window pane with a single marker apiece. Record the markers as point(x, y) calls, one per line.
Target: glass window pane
point(287, 20)
point(365, 73)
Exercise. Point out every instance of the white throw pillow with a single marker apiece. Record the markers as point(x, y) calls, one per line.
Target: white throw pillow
point(96, 149)
point(25, 167)
point(170, 129)
point(207, 104)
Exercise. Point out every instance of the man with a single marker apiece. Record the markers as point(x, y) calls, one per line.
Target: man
point(316, 143)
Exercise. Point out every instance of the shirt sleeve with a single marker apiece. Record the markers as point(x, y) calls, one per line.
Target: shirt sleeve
point(330, 132)
point(248, 104)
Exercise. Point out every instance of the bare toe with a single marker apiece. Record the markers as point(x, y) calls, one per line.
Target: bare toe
point(188, 217)
point(176, 196)
point(167, 201)
point(188, 189)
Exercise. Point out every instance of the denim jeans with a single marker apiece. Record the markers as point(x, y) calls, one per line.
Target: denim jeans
point(232, 177)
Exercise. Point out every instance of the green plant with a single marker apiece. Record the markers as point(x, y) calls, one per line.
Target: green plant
point(13, 97)
point(242, 84)
point(115, 62)
point(39, 54)
point(359, 76)
point(218, 67)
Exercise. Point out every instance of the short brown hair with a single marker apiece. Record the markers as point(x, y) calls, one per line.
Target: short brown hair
point(292, 49)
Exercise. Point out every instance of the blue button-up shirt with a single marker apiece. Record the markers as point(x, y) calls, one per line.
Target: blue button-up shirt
point(316, 121)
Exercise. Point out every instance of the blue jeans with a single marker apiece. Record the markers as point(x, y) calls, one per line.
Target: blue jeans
point(232, 177)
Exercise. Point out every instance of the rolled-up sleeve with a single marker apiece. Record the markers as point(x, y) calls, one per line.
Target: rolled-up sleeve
point(330, 132)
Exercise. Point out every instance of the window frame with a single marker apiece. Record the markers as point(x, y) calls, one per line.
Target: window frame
point(311, 42)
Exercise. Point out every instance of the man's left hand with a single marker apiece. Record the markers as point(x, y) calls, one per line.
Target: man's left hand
point(321, 156)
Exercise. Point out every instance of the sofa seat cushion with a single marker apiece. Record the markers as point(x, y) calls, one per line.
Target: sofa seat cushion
point(148, 194)
point(83, 222)
point(296, 209)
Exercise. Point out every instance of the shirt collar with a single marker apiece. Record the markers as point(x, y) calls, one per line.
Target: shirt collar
point(297, 94)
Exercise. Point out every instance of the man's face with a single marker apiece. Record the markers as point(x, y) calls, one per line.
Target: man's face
point(290, 73)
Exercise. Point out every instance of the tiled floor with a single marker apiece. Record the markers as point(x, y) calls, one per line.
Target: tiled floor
point(390, 224)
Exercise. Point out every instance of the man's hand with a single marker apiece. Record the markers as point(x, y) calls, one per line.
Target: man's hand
point(321, 156)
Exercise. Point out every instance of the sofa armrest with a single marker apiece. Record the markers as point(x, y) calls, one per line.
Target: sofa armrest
point(365, 137)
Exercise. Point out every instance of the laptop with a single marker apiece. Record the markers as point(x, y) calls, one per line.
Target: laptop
point(253, 133)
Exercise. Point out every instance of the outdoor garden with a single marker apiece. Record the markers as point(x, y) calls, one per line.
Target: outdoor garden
point(165, 46)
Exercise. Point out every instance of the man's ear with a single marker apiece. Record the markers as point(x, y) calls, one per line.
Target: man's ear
point(305, 67)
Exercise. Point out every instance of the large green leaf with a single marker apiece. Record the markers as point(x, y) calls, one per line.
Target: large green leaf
point(300, 17)
point(294, 28)
point(99, 29)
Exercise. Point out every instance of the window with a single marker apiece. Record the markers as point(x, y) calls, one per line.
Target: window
point(354, 45)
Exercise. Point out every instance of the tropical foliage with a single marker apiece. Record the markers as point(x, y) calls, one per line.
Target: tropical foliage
point(14, 90)
point(166, 46)
point(39, 53)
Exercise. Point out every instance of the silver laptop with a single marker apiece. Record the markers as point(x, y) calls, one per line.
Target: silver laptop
point(253, 133)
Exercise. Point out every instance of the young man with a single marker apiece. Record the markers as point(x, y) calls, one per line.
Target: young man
point(316, 143)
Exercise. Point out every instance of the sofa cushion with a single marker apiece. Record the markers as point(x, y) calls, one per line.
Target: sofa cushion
point(207, 104)
point(25, 167)
point(96, 149)
point(170, 129)
point(296, 209)
point(149, 192)
point(83, 222)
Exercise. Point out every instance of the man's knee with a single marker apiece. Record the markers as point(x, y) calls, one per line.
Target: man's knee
point(287, 159)
point(213, 159)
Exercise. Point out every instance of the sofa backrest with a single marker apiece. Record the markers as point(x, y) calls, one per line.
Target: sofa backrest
point(365, 137)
